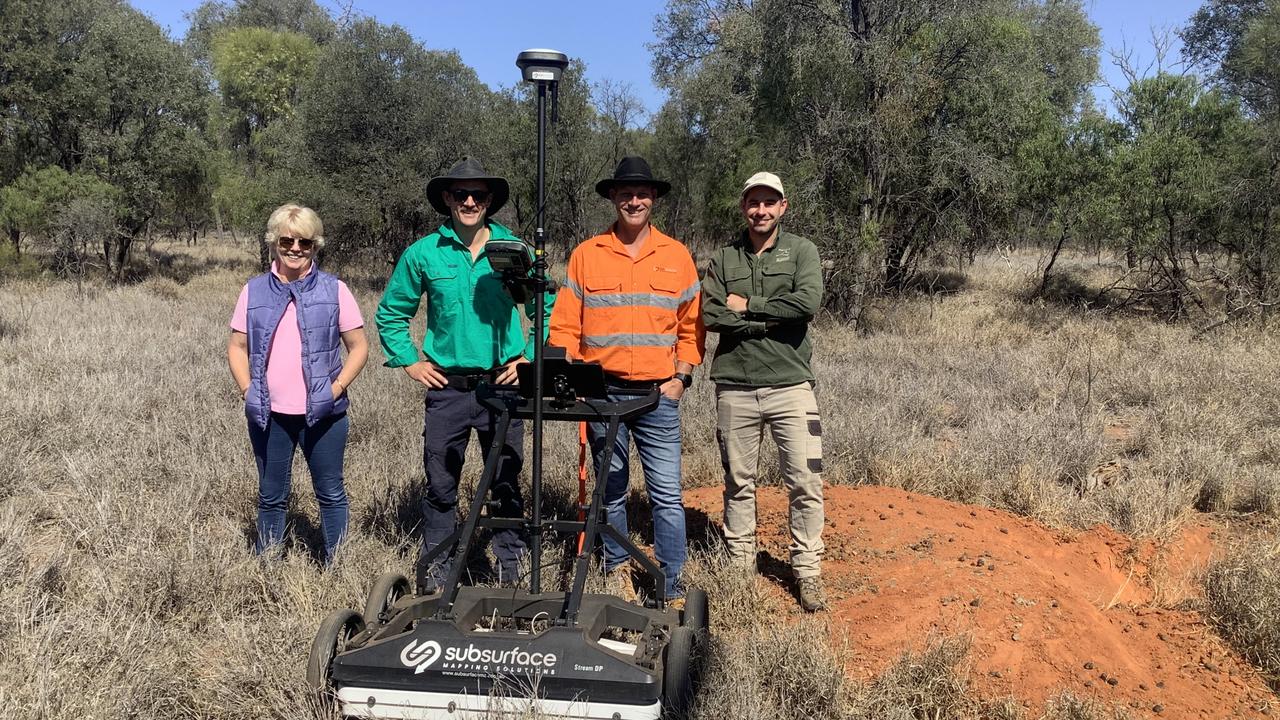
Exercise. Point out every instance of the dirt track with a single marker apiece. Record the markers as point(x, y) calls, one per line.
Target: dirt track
point(1047, 610)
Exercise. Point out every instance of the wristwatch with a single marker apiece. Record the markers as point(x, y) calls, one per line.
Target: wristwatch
point(685, 379)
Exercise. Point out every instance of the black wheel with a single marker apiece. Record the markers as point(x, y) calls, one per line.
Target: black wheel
point(333, 637)
point(677, 677)
point(697, 614)
point(386, 590)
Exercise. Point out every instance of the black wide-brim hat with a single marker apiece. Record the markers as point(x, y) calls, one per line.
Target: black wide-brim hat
point(468, 169)
point(632, 171)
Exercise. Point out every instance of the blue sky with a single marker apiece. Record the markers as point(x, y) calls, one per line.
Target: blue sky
point(612, 37)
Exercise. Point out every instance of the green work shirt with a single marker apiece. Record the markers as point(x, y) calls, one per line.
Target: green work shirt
point(768, 345)
point(472, 321)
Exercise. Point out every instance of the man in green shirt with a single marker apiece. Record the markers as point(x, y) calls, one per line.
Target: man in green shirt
point(473, 335)
point(760, 293)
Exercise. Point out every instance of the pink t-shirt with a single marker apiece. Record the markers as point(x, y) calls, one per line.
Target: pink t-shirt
point(285, 383)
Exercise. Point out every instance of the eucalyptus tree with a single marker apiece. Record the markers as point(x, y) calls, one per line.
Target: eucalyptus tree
point(897, 124)
point(95, 87)
point(380, 116)
point(1172, 167)
point(1236, 43)
point(32, 204)
point(214, 17)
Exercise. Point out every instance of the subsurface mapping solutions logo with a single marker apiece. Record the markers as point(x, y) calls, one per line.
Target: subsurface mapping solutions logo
point(420, 657)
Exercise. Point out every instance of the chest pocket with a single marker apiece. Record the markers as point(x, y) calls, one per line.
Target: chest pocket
point(664, 283)
point(778, 277)
point(598, 284)
point(737, 280)
point(443, 291)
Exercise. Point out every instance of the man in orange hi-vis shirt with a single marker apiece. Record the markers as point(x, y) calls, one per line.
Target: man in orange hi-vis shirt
point(632, 302)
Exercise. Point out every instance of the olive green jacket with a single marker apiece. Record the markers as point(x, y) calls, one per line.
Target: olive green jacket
point(769, 344)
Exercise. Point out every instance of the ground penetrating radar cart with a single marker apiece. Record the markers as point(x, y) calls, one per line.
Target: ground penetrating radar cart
point(471, 652)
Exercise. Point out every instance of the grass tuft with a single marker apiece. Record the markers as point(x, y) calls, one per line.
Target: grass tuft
point(1242, 595)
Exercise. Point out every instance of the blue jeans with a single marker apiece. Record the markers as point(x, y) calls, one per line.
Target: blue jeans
point(323, 445)
point(657, 438)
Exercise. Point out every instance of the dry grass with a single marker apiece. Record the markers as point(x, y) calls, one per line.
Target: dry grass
point(983, 398)
point(1069, 707)
point(127, 588)
point(1242, 594)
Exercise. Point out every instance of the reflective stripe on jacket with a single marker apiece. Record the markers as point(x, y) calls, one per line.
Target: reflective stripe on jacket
point(635, 316)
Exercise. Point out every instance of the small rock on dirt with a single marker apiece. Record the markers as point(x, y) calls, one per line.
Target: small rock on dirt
point(976, 602)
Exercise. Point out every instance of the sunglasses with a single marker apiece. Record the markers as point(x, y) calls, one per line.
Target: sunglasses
point(461, 195)
point(287, 243)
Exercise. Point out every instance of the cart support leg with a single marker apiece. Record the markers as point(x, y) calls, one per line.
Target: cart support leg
point(468, 532)
point(573, 601)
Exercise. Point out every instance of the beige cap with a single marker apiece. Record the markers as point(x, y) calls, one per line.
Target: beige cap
point(764, 179)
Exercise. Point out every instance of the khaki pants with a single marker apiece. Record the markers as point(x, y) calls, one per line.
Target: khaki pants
point(791, 416)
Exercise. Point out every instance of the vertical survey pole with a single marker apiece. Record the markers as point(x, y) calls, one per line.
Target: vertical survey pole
point(544, 68)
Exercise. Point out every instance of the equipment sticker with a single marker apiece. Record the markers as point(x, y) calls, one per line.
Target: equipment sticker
point(471, 659)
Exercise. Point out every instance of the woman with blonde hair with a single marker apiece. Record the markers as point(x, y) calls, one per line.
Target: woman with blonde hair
point(285, 356)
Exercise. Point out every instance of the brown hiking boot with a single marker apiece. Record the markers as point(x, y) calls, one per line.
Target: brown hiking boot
point(619, 580)
point(676, 604)
point(812, 597)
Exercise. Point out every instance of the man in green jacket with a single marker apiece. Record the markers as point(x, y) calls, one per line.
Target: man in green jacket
point(473, 335)
point(760, 293)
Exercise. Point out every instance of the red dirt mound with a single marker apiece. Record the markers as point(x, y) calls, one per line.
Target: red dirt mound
point(1047, 610)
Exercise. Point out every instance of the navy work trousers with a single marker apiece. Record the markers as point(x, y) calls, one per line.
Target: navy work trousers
point(451, 415)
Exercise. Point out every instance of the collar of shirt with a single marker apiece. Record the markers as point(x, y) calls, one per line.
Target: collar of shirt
point(275, 270)
point(744, 242)
point(449, 236)
point(655, 242)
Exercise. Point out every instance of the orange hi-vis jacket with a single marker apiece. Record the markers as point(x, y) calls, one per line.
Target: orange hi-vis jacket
point(636, 317)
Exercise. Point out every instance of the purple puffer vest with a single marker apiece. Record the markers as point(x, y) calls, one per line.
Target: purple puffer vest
point(316, 298)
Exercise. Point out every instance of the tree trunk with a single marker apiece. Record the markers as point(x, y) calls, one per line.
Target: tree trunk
point(16, 238)
point(1053, 259)
point(122, 256)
